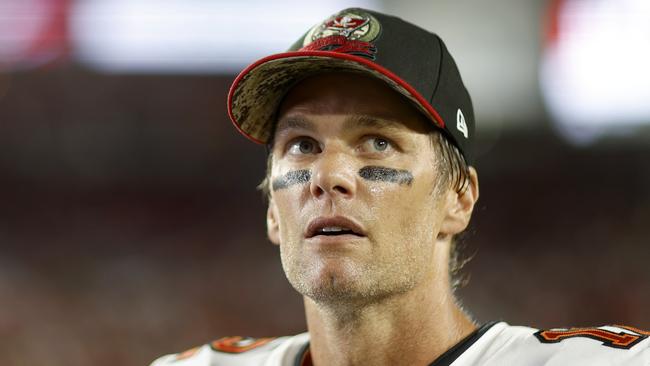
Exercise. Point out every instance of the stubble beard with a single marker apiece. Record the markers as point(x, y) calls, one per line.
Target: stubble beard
point(348, 286)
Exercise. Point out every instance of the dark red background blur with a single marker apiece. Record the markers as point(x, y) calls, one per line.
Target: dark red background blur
point(130, 226)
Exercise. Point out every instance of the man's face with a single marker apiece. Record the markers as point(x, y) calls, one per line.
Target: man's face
point(354, 203)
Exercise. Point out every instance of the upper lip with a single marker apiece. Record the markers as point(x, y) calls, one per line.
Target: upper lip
point(339, 221)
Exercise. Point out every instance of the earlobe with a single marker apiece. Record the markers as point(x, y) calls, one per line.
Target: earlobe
point(460, 206)
point(272, 225)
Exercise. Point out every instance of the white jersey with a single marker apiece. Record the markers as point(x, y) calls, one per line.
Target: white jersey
point(494, 344)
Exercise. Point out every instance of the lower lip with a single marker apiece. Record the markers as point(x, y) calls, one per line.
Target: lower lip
point(334, 239)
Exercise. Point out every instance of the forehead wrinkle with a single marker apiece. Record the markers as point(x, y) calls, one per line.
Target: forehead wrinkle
point(362, 121)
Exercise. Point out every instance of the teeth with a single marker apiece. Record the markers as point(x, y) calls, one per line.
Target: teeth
point(332, 229)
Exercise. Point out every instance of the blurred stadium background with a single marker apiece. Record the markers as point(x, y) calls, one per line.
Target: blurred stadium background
point(129, 221)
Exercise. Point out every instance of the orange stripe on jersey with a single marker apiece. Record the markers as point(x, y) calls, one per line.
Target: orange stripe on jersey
point(238, 344)
point(187, 354)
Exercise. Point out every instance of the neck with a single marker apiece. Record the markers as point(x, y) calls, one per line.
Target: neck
point(413, 328)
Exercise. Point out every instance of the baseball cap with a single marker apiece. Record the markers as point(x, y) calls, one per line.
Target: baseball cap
point(412, 61)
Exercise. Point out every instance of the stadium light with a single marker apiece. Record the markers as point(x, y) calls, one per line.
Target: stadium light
point(594, 75)
point(189, 36)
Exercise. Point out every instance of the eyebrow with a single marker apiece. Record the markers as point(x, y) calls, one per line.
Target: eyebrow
point(357, 121)
point(294, 122)
point(361, 121)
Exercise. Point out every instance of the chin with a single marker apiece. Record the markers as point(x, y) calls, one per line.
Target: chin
point(327, 281)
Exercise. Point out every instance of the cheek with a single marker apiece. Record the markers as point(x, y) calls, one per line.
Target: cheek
point(419, 220)
point(288, 216)
point(410, 212)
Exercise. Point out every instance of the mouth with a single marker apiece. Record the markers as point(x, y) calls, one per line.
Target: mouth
point(334, 226)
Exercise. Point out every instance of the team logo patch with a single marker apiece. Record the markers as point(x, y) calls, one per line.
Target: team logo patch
point(352, 32)
point(620, 336)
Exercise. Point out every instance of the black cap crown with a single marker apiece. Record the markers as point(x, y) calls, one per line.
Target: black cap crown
point(411, 60)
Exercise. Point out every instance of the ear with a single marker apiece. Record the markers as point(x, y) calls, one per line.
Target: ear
point(272, 225)
point(460, 206)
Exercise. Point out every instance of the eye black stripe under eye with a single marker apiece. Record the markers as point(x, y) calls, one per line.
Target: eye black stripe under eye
point(291, 178)
point(384, 174)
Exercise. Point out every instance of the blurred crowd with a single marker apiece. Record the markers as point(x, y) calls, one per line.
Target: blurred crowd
point(130, 225)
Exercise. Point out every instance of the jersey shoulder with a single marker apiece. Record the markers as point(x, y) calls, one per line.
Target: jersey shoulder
point(504, 344)
point(240, 351)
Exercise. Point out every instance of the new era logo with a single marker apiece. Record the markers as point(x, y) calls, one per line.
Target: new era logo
point(460, 123)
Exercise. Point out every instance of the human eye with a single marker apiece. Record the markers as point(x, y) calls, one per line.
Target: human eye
point(302, 146)
point(377, 144)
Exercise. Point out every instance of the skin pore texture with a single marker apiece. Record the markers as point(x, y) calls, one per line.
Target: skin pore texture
point(349, 151)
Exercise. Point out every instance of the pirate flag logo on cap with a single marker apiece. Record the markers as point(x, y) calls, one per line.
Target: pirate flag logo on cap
point(351, 31)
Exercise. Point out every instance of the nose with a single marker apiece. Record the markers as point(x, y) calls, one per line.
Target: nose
point(333, 176)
